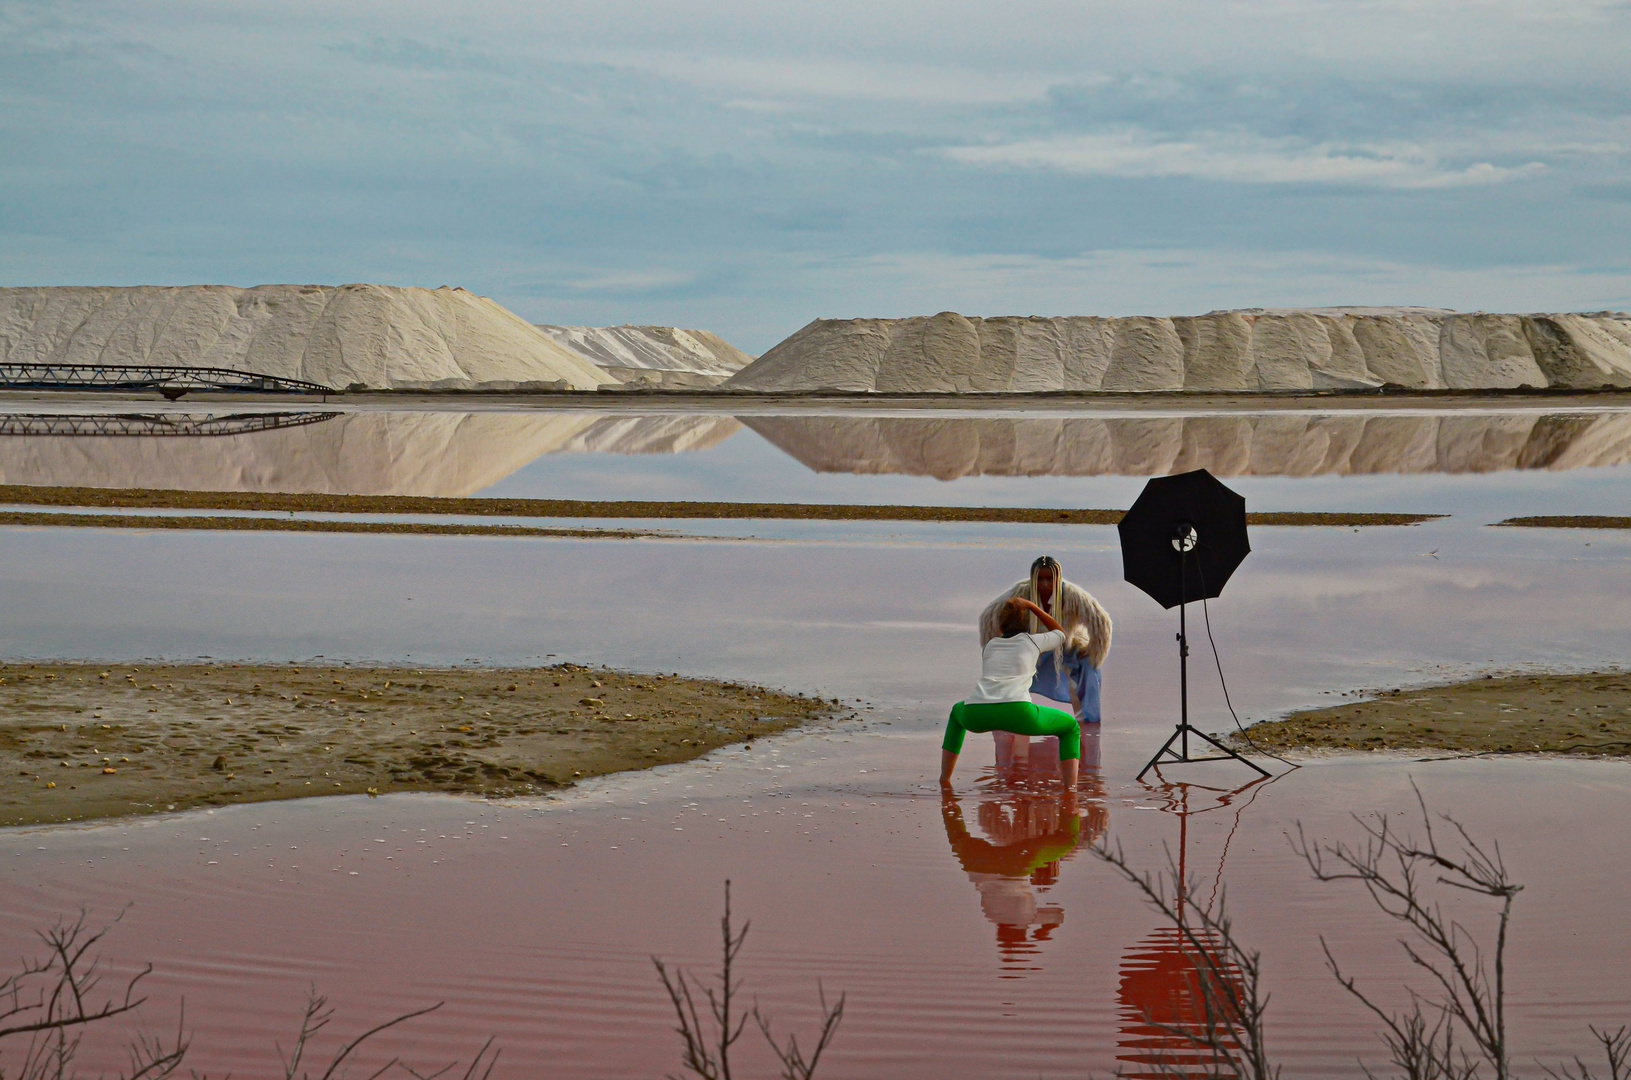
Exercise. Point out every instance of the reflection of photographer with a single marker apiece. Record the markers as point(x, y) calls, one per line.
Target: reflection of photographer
point(1026, 838)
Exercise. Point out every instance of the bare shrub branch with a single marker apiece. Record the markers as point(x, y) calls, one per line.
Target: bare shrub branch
point(708, 1056)
point(318, 1015)
point(794, 1067)
point(1396, 868)
point(50, 1002)
point(1616, 1048)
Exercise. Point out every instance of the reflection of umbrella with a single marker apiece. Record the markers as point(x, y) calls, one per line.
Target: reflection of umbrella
point(1171, 997)
point(1195, 505)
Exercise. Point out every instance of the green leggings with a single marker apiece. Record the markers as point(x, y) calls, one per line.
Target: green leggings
point(1018, 717)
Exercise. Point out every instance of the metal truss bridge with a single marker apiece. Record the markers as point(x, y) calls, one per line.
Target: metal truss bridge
point(171, 381)
point(155, 424)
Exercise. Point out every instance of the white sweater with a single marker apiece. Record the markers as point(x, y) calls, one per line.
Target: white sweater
point(1007, 666)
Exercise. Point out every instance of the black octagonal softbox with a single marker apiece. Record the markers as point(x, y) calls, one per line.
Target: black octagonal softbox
point(1180, 542)
point(1211, 518)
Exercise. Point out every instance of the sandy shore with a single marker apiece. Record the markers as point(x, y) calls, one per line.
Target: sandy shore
point(84, 741)
point(1517, 714)
point(133, 498)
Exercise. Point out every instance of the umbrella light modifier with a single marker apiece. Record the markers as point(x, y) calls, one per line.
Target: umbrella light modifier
point(1180, 542)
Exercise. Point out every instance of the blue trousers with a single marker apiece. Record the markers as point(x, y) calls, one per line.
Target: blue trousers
point(1054, 684)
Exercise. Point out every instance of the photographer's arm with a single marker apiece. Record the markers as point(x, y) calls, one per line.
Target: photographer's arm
point(1043, 617)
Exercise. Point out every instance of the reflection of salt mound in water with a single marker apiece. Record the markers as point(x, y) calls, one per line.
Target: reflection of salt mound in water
point(1329, 348)
point(675, 434)
point(654, 356)
point(374, 335)
point(1173, 999)
point(374, 453)
point(1267, 445)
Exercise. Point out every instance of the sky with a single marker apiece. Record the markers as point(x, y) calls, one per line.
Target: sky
point(746, 166)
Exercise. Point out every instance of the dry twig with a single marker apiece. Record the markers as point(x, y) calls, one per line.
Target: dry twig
point(53, 1001)
point(1616, 1048)
point(1469, 999)
point(708, 1055)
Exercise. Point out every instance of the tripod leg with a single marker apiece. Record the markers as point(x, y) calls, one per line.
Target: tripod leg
point(1237, 756)
point(1166, 747)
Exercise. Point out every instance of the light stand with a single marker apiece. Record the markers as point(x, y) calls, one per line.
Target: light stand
point(1185, 539)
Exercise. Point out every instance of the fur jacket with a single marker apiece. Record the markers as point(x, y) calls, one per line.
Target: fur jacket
point(1073, 607)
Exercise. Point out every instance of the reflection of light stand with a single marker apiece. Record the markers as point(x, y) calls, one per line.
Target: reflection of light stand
point(1185, 541)
point(1178, 983)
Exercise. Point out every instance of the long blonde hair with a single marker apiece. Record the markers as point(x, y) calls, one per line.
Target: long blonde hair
point(1051, 606)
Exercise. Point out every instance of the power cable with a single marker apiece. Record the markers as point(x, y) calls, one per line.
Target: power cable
point(1207, 617)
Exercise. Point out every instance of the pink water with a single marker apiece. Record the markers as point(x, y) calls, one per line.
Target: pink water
point(535, 923)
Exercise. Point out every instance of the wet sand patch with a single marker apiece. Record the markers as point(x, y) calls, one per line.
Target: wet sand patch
point(148, 499)
point(1515, 714)
point(82, 741)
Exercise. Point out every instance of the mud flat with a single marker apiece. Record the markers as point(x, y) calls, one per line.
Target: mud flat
point(1517, 714)
point(225, 523)
point(80, 741)
point(1568, 521)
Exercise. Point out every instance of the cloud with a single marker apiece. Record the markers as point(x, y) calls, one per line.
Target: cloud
point(1191, 281)
point(1238, 158)
point(745, 166)
point(632, 282)
point(817, 77)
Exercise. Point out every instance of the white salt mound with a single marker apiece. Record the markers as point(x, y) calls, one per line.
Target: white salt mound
point(1240, 351)
point(373, 336)
point(654, 356)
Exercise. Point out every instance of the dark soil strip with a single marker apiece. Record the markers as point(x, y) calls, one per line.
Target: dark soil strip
point(1578, 521)
point(135, 498)
point(1290, 517)
point(1587, 714)
point(269, 524)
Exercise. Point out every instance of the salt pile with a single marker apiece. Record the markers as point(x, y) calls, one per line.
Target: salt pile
point(365, 336)
point(1291, 444)
point(1315, 349)
point(654, 356)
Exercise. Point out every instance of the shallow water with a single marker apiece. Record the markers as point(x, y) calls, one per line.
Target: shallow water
point(886, 617)
point(1451, 459)
point(536, 925)
point(985, 942)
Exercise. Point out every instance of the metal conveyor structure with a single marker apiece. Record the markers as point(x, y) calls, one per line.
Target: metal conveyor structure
point(170, 380)
point(154, 424)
